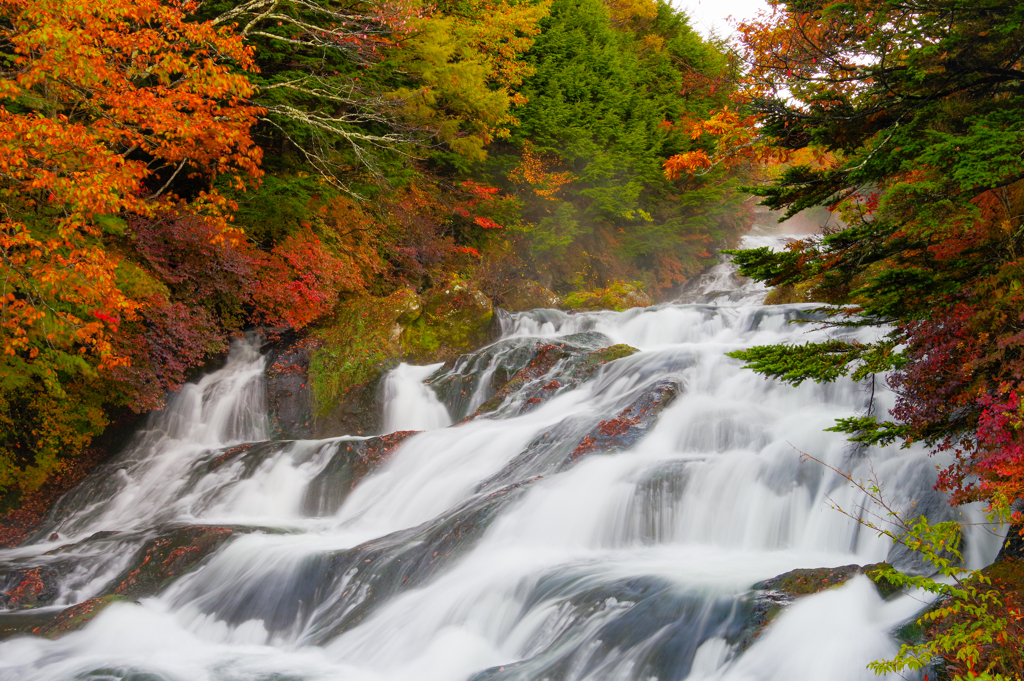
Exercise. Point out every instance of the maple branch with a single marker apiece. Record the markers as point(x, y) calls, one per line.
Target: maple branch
point(169, 180)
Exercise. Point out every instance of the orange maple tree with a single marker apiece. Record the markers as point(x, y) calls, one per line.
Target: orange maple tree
point(106, 107)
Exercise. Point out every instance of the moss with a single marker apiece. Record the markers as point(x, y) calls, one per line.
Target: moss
point(77, 616)
point(359, 343)
point(612, 353)
point(455, 319)
point(793, 293)
point(618, 296)
point(367, 336)
point(804, 582)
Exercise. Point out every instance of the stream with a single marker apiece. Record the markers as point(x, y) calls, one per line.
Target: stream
point(601, 517)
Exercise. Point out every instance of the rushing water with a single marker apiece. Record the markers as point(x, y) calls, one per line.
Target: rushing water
point(488, 550)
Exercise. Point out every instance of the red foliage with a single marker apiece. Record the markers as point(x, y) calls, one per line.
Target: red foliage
point(299, 281)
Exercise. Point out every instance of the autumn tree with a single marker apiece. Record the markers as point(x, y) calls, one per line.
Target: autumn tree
point(107, 110)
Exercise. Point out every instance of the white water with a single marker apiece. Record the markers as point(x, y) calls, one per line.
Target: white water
point(628, 565)
point(409, 404)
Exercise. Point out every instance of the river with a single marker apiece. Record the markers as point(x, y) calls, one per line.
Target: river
point(607, 525)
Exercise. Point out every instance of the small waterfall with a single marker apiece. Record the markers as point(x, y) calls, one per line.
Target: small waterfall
point(409, 404)
point(601, 517)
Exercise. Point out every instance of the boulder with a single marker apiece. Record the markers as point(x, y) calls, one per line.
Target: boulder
point(618, 296)
point(454, 320)
point(526, 294)
point(771, 596)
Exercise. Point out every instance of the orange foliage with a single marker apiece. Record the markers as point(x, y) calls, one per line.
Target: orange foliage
point(532, 170)
point(737, 141)
point(105, 104)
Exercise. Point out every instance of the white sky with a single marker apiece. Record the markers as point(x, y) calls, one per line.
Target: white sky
point(710, 15)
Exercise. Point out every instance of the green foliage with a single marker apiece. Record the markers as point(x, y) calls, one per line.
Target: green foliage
point(969, 622)
point(820, 362)
point(606, 85)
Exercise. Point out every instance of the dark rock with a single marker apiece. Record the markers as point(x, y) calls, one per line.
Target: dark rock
point(631, 424)
point(572, 439)
point(289, 393)
point(29, 587)
point(359, 410)
point(164, 559)
point(328, 593)
point(77, 616)
point(53, 624)
point(577, 365)
point(351, 462)
point(644, 626)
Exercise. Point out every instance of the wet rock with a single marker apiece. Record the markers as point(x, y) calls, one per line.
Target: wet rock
point(289, 393)
point(166, 558)
point(456, 383)
point(28, 587)
point(579, 364)
point(329, 593)
point(770, 597)
point(358, 410)
point(375, 572)
point(350, 463)
point(77, 616)
point(630, 425)
point(655, 627)
point(572, 439)
point(54, 624)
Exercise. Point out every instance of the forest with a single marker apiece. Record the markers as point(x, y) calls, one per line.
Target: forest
point(377, 178)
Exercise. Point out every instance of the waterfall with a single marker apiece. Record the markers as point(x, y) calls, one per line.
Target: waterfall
point(597, 519)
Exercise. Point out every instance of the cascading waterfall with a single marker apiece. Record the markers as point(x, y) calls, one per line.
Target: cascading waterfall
point(605, 525)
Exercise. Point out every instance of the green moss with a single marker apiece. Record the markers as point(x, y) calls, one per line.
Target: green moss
point(455, 320)
point(618, 296)
point(77, 616)
point(612, 353)
point(802, 292)
point(359, 343)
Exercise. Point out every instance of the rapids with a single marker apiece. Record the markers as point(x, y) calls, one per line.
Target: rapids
point(494, 550)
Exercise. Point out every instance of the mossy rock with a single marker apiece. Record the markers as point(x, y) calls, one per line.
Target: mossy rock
point(773, 595)
point(54, 624)
point(166, 558)
point(527, 294)
point(804, 582)
point(358, 345)
point(792, 293)
point(369, 336)
point(454, 320)
point(618, 296)
point(77, 616)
